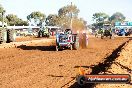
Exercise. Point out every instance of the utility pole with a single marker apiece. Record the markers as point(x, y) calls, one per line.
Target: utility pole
point(3, 13)
point(71, 17)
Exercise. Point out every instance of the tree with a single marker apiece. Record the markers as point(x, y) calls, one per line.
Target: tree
point(1, 11)
point(52, 20)
point(14, 20)
point(67, 10)
point(65, 13)
point(37, 15)
point(100, 17)
point(117, 17)
point(21, 22)
point(1, 8)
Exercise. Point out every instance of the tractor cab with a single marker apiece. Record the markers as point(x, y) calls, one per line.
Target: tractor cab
point(68, 31)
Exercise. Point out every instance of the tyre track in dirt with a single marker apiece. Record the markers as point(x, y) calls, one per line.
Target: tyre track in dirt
point(102, 67)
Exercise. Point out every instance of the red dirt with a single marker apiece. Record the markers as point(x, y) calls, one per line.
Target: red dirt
point(39, 66)
point(122, 65)
point(29, 38)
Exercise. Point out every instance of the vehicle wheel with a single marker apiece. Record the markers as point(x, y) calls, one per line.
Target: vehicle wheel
point(11, 36)
point(48, 35)
point(3, 36)
point(113, 35)
point(40, 34)
point(102, 37)
point(71, 47)
point(57, 48)
point(76, 44)
point(96, 35)
point(81, 80)
point(110, 36)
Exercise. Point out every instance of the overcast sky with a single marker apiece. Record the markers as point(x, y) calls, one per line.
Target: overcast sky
point(22, 8)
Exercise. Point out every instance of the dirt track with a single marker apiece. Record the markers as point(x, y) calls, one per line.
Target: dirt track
point(39, 66)
point(28, 38)
point(122, 65)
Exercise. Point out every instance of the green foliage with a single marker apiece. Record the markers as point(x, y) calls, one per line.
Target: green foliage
point(52, 20)
point(14, 20)
point(1, 8)
point(117, 17)
point(99, 17)
point(67, 10)
point(36, 15)
point(65, 13)
point(1, 11)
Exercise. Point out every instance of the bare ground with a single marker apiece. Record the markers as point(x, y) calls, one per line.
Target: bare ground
point(122, 65)
point(40, 66)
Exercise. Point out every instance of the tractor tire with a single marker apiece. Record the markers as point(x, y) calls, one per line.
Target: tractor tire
point(81, 80)
point(76, 44)
point(71, 47)
point(11, 36)
point(102, 36)
point(96, 35)
point(112, 36)
point(43, 34)
point(3, 36)
point(57, 49)
point(40, 34)
point(48, 35)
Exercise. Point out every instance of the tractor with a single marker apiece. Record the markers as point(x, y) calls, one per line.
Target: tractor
point(106, 33)
point(67, 40)
point(98, 32)
point(44, 32)
point(6, 35)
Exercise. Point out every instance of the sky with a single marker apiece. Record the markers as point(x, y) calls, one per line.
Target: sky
point(87, 8)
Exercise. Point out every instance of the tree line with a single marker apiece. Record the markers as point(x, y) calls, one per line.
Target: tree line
point(63, 18)
point(12, 19)
point(103, 18)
